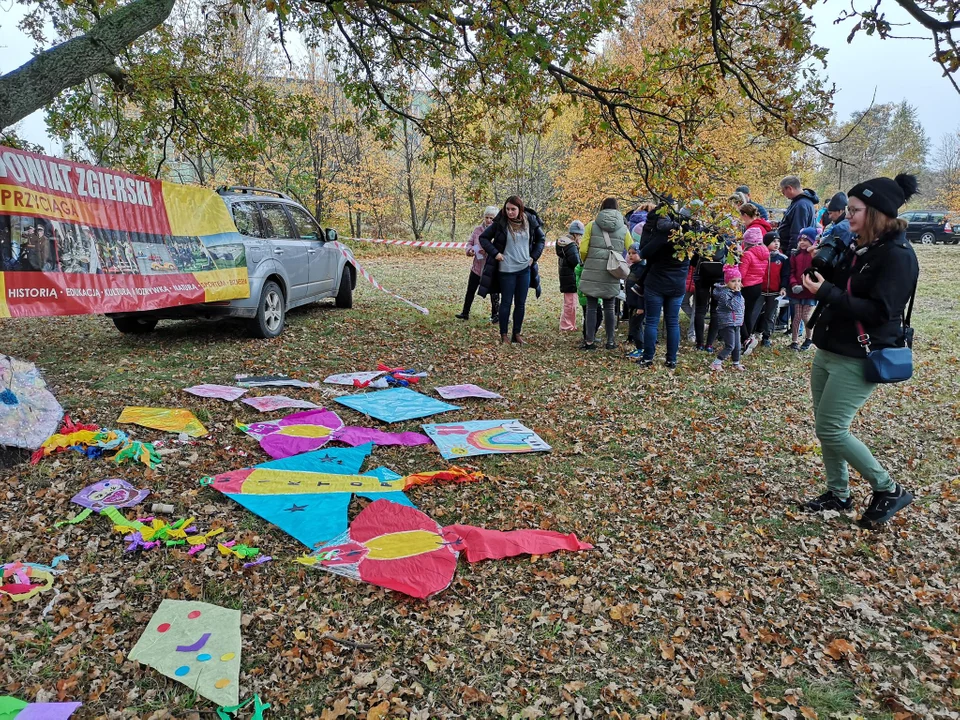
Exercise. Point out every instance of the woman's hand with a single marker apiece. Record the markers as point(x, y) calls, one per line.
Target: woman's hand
point(499, 257)
point(813, 281)
point(530, 263)
point(783, 292)
point(471, 252)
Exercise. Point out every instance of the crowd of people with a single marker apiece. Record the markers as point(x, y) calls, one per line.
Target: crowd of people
point(850, 264)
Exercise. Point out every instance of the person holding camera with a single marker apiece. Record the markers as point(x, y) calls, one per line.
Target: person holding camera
point(862, 310)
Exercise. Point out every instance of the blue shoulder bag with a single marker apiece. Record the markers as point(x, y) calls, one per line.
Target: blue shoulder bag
point(889, 365)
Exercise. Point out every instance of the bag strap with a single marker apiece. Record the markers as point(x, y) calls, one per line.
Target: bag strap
point(906, 318)
point(606, 240)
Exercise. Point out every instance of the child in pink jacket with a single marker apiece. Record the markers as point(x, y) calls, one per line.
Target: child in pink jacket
point(753, 267)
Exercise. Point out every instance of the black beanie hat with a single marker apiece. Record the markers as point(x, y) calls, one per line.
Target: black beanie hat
point(884, 194)
point(838, 203)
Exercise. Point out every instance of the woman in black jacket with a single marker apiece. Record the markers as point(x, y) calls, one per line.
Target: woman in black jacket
point(665, 282)
point(513, 244)
point(862, 307)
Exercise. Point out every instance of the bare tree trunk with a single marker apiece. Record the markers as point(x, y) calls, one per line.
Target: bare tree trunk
point(408, 165)
point(37, 82)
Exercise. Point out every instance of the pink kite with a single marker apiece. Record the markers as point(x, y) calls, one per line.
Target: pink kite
point(221, 392)
point(310, 430)
point(400, 548)
point(269, 403)
point(456, 392)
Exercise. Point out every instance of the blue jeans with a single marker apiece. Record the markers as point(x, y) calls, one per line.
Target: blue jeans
point(513, 291)
point(670, 304)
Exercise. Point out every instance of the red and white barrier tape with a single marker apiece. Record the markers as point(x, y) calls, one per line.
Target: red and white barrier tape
point(421, 243)
point(345, 251)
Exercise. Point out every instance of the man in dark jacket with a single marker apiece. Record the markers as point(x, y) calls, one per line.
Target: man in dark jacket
point(745, 191)
point(799, 215)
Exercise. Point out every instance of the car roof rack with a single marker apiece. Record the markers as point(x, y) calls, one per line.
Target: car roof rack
point(248, 190)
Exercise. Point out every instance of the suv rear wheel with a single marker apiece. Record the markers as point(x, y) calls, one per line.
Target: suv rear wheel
point(271, 312)
point(928, 238)
point(345, 292)
point(135, 325)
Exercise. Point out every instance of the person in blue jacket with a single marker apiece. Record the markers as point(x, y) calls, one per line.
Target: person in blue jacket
point(839, 225)
point(799, 215)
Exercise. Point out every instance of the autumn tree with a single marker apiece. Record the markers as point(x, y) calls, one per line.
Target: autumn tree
point(884, 139)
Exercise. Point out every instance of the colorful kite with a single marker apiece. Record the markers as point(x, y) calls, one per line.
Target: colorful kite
point(484, 437)
point(197, 644)
point(399, 548)
point(457, 392)
point(310, 430)
point(252, 381)
point(307, 495)
point(269, 403)
point(348, 378)
point(114, 492)
point(220, 392)
point(395, 405)
point(29, 413)
point(175, 420)
point(21, 581)
point(12, 708)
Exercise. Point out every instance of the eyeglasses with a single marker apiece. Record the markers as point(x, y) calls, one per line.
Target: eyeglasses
point(851, 211)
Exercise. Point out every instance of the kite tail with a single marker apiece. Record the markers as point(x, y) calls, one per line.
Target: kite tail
point(454, 475)
point(483, 544)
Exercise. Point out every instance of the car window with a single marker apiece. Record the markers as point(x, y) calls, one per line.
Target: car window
point(938, 219)
point(907, 216)
point(247, 220)
point(275, 221)
point(921, 217)
point(306, 228)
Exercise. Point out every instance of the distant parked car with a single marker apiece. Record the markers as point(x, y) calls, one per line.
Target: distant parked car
point(928, 227)
point(290, 261)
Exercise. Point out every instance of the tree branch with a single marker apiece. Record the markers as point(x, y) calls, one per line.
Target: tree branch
point(37, 82)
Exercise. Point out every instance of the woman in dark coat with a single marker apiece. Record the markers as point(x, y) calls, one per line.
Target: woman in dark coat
point(665, 283)
point(513, 244)
point(863, 306)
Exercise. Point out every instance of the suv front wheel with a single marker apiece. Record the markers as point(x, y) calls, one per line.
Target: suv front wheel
point(928, 238)
point(345, 291)
point(271, 312)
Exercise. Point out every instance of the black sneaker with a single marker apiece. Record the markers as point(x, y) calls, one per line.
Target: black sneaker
point(671, 365)
point(806, 345)
point(494, 319)
point(767, 342)
point(645, 363)
point(795, 346)
point(462, 316)
point(611, 346)
point(883, 506)
point(827, 501)
point(588, 346)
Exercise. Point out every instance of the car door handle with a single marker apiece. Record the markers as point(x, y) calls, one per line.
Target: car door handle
point(278, 251)
point(312, 251)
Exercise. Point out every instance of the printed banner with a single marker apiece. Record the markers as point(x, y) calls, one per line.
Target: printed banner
point(423, 243)
point(77, 239)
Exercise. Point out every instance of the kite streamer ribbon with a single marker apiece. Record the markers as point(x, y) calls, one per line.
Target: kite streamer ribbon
point(345, 251)
point(422, 243)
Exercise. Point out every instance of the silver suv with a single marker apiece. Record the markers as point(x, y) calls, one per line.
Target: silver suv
point(290, 262)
